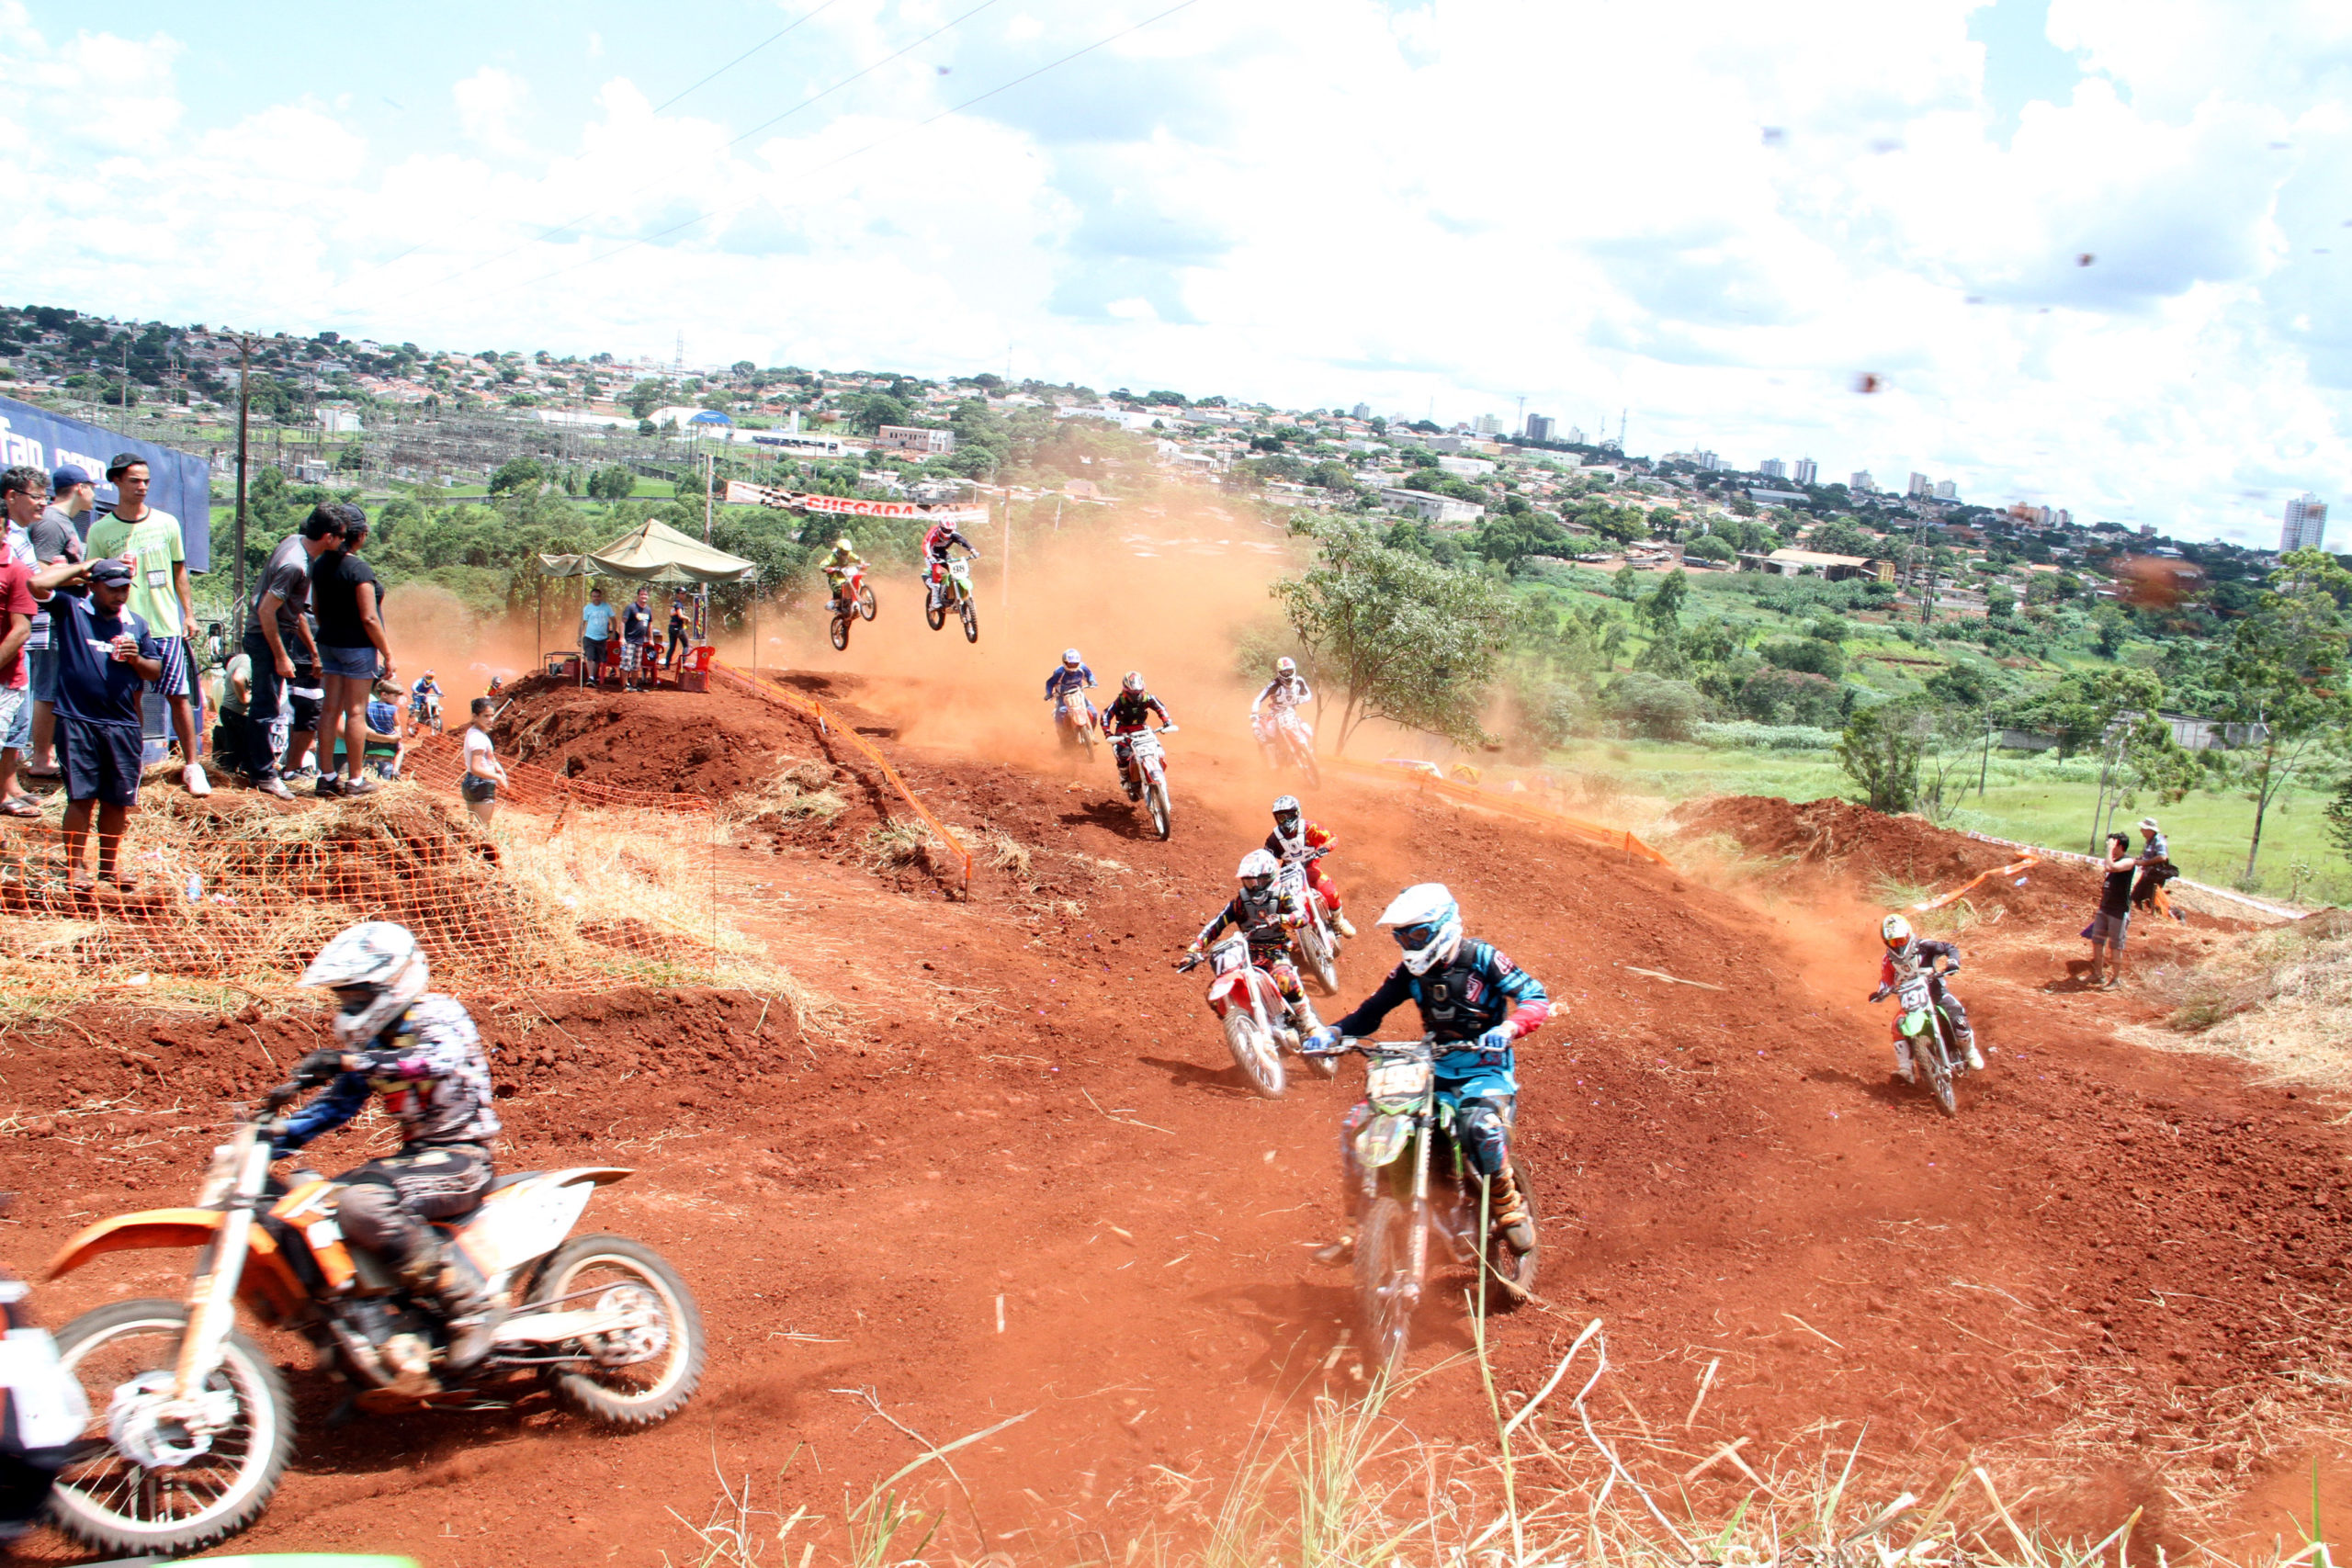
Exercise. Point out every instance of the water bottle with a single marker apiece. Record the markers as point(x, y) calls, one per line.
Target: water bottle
point(195, 889)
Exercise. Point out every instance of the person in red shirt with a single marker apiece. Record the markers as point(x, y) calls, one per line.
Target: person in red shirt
point(27, 491)
point(1298, 841)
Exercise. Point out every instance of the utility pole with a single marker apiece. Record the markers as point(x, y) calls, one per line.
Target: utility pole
point(705, 496)
point(244, 410)
point(126, 385)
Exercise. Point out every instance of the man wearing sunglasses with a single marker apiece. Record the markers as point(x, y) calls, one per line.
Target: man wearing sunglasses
point(1476, 1002)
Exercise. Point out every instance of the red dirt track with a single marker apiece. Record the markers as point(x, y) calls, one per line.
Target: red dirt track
point(2108, 1254)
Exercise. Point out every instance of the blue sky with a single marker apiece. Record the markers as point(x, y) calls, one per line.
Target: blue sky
point(2091, 249)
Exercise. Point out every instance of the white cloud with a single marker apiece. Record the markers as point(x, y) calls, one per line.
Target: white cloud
point(1340, 199)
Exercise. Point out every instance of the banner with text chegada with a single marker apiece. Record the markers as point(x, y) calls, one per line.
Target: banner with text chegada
point(739, 493)
point(179, 482)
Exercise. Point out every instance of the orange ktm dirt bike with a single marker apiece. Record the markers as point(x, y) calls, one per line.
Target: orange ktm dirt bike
point(195, 1425)
point(852, 599)
point(1075, 720)
point(1418, 1184)
point(1256, 1019)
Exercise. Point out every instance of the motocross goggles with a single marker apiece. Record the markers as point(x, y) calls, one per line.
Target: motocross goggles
point(1257, 884)
point(1413, 938)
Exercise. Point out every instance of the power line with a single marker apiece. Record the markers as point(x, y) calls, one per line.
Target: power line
point(823, 6)
point(856, 152)
point(869, 71)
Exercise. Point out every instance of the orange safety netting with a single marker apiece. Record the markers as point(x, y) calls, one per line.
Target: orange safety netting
point(1940, 899)
point(236, 887)
point(1508, 805)
point(833, 729)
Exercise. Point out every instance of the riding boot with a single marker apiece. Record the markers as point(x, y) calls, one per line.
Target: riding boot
point(1341, 1251)
point(1346, 928)
point(1509, 1213)
point(1975, 1057)
point(463, 1301)
point(1902, 1062)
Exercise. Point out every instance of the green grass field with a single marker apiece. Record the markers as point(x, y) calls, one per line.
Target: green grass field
point(2032, 800)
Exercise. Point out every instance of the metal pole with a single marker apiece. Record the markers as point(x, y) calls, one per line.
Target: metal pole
point(1004, 600)
point(705, 496)
point(755, 624)
point(245, 410)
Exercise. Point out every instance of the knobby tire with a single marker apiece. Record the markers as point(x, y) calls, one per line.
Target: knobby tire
point(1384, 1284)
point(1255, 1053)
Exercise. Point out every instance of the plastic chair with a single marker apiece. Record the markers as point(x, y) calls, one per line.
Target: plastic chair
point(694, 669)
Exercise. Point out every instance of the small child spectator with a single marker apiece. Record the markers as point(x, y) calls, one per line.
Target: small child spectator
point(484, 773)
point(386, 745)
point(105, 656)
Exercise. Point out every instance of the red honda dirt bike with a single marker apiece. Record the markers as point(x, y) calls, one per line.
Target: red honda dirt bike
point(1256, 1019)
point(1074, 720)
point(1143, 768)
point(853, 598)
point(1290, 741)
point(1317, 941)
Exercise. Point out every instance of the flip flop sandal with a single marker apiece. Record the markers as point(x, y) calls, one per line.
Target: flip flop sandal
point(19, 807)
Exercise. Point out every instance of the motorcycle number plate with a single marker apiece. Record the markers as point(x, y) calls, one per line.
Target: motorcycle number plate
point(1913, 993)
point(1383, 1139)
point(1398, 1080)
point(322, 1234)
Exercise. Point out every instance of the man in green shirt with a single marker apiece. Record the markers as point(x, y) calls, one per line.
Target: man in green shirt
point(148, 542)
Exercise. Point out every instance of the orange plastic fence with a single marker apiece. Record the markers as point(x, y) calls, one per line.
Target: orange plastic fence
point(1508, 804)
point(1940, 899)
point(440, 760)
point(833, 729)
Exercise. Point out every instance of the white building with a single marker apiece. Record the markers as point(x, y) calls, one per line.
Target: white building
point(1946, 490)
point(1468, 468)
point(1430, 508)
point(2306, 525)
point(1808, 471)
point(338, 422)
point(1540, 427)
point(1488, 426)
point(1772, 469)
point(914, 438)
point(1918, 486)
point(1862, 481)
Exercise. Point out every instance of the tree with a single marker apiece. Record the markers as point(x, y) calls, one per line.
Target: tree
point(645, 396)
point(1655, 707)
point(870, 411)
point(517, 473)
point(2000, 601)
point(1707, 547)
point(1662, 605)
point(1880, 750)
point(742, 368)
point(613, 484)
point(2284, 673)
point(1397, 637)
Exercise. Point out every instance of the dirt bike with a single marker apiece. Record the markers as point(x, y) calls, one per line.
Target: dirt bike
point(1290, 742)
point(1317, 941)
point(1420, 1184)
point(853, 598)
point(1074, 720)
point(956, 587)
point(1935, 1044)
point(1143, 767)
point(425, 711)
point(196, 1425)
point(1256, 1019)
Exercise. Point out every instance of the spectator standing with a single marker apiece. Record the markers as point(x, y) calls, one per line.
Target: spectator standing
point(637, 625)
point(25, 491)
point(595, 632)
point(279, 640)
point(105, 655)
point(2108, 927)
point(60, 534)
point(148, 542)
point(678, 624)
point(353, 654)
point(484, 773)
point(2155, 870)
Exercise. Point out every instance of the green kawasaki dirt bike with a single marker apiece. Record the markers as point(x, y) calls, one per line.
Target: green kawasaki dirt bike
point(1936, 1050)
point(1420, 1184)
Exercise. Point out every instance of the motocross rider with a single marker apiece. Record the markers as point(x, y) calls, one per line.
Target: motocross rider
point(1907, 949)
point(1129, 712)
point(1072, 676)
point(425, 690)
point(421, 1052)
point(837, 567)
point(1284, 691)
point(1296, 841)
point(1476, 1002)
point(937, 540)
point(1266, 916)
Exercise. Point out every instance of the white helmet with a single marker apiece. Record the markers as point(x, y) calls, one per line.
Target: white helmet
point(1287, 821)
point(1258, 871)
point(1069, 656)
point(1133, 683)
point(375, 969)
point(1286, 666)
point(842, 545)
point(1429, 925)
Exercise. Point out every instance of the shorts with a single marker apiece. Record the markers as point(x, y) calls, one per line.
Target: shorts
point(591, 648)
point(304, 697)
point(16, 719)
point(101, 761)
point(353, 663)
point(172, 680)
point(44, 665)
point(476, 790)
point(2109, 929)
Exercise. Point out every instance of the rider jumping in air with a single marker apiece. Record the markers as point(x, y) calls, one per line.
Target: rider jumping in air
point(1129, 712)
point(1906, 950)
point(1476, 1002)
point(1298, 841)
point(1266, 916)
point(837, 567)
point(1284, 691)
point(937, 541)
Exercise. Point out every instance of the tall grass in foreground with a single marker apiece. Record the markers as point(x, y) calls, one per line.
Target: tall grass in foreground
point(1352, 1485)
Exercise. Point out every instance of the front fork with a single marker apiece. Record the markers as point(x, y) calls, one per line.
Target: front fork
point(220, 1266)
point(1419, 1214)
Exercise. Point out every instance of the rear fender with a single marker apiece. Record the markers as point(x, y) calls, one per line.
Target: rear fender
point(268, 1285)
point(530, 1219)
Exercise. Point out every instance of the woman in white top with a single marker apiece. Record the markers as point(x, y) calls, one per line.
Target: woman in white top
point(484, 773)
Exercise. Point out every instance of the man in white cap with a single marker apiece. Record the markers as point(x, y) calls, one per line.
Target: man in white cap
point(2155, 870)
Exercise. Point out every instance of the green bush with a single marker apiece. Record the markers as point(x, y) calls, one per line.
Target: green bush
point(1653, 706)
point(1809, 655)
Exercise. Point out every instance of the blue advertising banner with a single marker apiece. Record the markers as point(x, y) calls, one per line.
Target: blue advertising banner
point(180, 483)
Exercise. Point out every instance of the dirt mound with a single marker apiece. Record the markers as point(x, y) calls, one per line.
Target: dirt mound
point(1866, 848)
point(707, 744)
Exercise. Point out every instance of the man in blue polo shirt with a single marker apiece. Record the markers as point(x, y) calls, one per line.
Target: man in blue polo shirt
point(105, 655)
point(595, 632)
